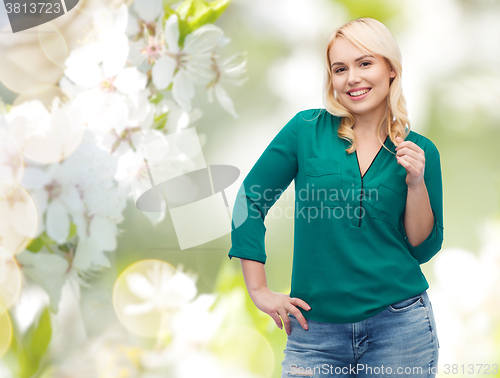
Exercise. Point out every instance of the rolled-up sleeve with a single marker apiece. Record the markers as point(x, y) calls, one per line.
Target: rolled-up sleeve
point(262, 187)
point(433, 182)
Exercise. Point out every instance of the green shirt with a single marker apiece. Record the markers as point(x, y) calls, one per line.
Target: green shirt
point(351, 256)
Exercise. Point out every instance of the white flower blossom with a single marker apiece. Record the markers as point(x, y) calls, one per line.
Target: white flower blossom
point(177, 118)
point(231, 71)
point(51, 271)
point(11, 161)
point(46, 136)
point(10, 280)
point(148, 10)
point(147, 50)
point(106, 44)
point(79, 154)
point(98, 68)
point(188, 65)
point(141, 115)
point(18, 219)
point(161, 289)
point(81, 189)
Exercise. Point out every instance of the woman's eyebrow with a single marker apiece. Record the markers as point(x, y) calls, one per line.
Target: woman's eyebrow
point(361, 57)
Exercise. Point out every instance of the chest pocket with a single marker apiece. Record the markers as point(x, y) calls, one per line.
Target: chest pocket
point(323, 181)
point(391, 199)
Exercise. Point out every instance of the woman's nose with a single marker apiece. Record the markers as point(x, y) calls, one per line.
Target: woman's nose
point(353, 78)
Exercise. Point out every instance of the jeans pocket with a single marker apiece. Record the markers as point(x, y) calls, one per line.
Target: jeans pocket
point(407, 304)
point(432, 321)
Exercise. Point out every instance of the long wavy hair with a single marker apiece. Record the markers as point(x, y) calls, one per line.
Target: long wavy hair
point(370, 36)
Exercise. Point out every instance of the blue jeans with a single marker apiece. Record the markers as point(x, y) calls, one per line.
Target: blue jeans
point(401, 341)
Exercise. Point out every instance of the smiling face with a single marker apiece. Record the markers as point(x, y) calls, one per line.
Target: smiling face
point(361, 80)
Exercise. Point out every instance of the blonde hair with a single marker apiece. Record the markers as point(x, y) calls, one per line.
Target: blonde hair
point(370, 36)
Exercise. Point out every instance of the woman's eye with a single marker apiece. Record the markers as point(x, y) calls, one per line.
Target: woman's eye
point(367, 64)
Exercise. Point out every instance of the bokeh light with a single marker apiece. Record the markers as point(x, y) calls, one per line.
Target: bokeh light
point(19, 220)
point(75, 25)
point(43, 93)
point(245, 345)
point(44, 137)
point(10, 279)
point(5, 331)
point(117, 359)
point(25, 62)
point(53, 44)
point(11, 162)
point(148, 295)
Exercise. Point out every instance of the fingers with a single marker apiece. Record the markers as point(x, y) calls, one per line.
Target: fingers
point(411, 165)
point(284, 312)
point(409, 168)
point(300, 302)
point(277, 320)
point(409, 152)
point(411, 160)
point(296, 312)
point(301, 320)
point(409, 146)
point(286, 320)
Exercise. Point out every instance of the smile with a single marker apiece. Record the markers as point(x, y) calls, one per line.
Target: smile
point(358, 95)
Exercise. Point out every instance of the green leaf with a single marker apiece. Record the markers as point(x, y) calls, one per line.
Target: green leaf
point(48, 269)
point(160, 121)
point(167, 3)
point(193, 14)
point(66, 247)
point(15, 357)
point(37, 244)
point(72, 230)
point(36, 341)
point(210, 14)
point(26, 351)
point(156, 98)
point(184, 9)
point(184, 30)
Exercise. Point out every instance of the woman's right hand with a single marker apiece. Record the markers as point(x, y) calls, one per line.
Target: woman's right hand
point(277, 304)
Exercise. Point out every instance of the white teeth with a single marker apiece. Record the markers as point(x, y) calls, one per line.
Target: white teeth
point(358, 93)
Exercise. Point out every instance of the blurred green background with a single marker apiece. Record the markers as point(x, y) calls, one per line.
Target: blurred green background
point(451, 80)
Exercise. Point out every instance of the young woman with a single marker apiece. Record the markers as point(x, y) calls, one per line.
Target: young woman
point(368, 212)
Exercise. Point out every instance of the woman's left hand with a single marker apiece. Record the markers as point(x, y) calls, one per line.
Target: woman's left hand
point(412, 158)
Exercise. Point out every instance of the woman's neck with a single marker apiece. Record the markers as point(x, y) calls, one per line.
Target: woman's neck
point(368, 132)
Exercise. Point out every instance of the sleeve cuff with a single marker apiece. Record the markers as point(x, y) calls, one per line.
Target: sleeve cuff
point(429, 247)
point(430, 237)
point(245, 254)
